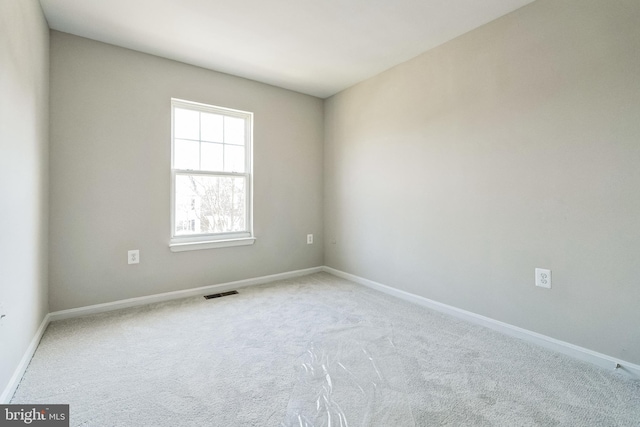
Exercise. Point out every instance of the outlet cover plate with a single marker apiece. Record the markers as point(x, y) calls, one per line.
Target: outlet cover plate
point(543, 278)
point(133, 257)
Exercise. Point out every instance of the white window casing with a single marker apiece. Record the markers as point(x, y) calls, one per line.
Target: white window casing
point(211, 177)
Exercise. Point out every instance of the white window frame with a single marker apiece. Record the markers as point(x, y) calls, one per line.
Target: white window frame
point(214, 240)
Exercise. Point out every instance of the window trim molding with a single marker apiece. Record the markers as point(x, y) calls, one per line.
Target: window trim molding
point(211, 244)
point(182, 243)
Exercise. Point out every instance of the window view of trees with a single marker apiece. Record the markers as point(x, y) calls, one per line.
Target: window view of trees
point(210, 204)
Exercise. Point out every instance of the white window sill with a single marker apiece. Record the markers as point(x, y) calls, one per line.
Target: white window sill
point(211, 244)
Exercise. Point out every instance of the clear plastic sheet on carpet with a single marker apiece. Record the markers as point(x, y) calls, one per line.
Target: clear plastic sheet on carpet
point(350, 377)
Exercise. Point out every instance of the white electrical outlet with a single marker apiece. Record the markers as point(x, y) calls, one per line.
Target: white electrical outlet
point(543, 278)
point(309, 239)
point(133, 256)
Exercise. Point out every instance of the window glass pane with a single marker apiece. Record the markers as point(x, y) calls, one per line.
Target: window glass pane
point(210, 204)
point(186, 154)
point(233, 130)
point(233, 158)
point(186, 124)
point(211, 156)
point(211, 127)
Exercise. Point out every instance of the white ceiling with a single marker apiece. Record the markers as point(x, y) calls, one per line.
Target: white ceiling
point(318, 47)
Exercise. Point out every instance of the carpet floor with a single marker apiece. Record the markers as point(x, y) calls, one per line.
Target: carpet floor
point(312, 351)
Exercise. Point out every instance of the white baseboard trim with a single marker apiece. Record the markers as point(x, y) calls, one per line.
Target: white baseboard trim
point(11, 387)
point(563, 347)
point(167, 296)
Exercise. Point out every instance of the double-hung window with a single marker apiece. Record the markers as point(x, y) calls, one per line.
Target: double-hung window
point(211, 174)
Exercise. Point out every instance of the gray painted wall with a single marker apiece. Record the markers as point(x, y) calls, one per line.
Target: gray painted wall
point(24, 109)
point(110, 176)
point(515, 146)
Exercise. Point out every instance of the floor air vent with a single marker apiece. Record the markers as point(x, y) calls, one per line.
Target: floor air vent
point(221, 294)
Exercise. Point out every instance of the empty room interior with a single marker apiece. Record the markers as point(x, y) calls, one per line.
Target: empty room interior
point(321, 213)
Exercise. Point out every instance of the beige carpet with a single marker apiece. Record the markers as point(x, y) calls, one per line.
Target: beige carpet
point(312, 351)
